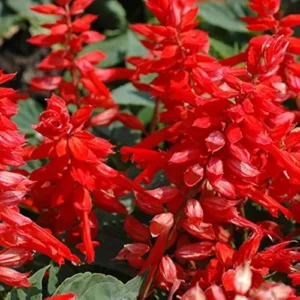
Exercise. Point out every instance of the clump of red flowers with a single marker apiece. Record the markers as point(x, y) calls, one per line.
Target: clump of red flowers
point(76, 177)
point(227, 143)
point(230, 141)
point(20, 237)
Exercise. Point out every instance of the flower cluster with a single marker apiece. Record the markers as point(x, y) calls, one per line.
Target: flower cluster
point(20, 236)
point(226, 143)
point(76, 176)
point(230, 141)
point(69, 33)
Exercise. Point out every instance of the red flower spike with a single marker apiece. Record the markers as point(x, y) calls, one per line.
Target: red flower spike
point(227, 151)
point(19, 235)
point(79, 178)
point(228, 140)
point(72, 30)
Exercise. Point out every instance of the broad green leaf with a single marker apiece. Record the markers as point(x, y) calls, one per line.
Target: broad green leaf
point(28, 114)
point(127, 94)
point(223, 15)
point(89, 286)
point(79, 283)
point(32, 293)
point(53, 278)
point(131, 289)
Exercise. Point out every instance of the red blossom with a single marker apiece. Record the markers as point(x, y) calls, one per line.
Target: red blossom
point(76, 177)
point(19, 235)
point(229, 141)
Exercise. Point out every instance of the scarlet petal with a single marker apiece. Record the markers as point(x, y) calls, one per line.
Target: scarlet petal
point(81, 116)
point(48, 83)
point(243, 279)
point(48, 9)
point(248, 249)
point(136, 230)
point(14, 278)
point(224, 253)
point(79, 6)
point(161, 223)
point(130, 121)
point(290, 20)
point(80, 151)
point(215, 293)
point(194, 293)
point(90, 37)
point(215, 141)
point(69, 296)
point(193, 210)
point(193, 175)
point(195, 252)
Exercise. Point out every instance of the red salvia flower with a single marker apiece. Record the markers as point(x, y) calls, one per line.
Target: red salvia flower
point(72, 29)
point(19, 235)
point(230, 140)
point(76, 177)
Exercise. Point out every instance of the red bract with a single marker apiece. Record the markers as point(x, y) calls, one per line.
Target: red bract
point(76, 177)
point(230, 141)
point(19, 235)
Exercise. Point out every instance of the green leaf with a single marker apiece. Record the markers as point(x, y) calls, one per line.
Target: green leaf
point(127, 94)
point(22, 7)
point(114, 47)
point(131, 289)
point(32, 165)
point(29, 111)
point(89, 286)
point(222, 49)
point(32, 293)
point(223, 15)
point(145, 115)
point(7, 23)
point(135, 47)
point(53, 278)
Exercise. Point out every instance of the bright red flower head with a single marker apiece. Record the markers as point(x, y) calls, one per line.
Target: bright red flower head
point(55, 121)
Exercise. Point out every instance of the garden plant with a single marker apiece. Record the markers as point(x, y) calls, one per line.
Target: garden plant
point(171, 174)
